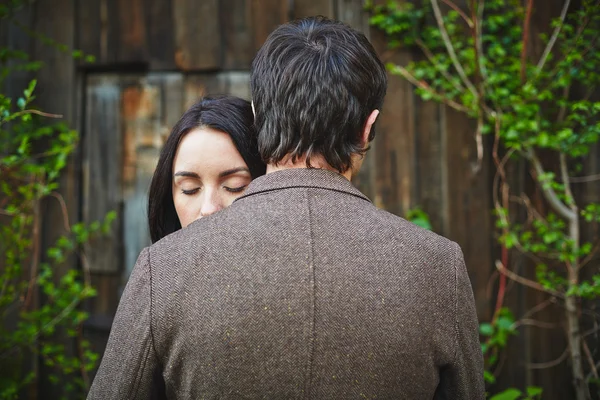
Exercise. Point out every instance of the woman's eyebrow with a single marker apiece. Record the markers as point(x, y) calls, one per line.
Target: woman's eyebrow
point(233, 171)
point(186, 174)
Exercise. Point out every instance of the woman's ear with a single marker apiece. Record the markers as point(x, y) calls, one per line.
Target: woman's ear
point(367, 131)
point(253, 111)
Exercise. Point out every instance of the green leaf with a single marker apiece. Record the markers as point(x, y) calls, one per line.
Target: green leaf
point(486, 329)
point(533, 391)
point(489, 377)
point(508, 394)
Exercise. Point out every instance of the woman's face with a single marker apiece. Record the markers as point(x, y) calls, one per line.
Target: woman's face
point(208, 174)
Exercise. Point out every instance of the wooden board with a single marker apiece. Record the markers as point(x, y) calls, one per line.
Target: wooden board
point(263, 21)
point(97, 30)
point(311, 8)
point(132, 43)
point(352, 13)
point(102, 165)
point(469, 205)
point(197, 34)
point(238, 44)
point(160, 34)
point(225, 83)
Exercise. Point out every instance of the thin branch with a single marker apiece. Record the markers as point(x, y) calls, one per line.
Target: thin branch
point(554, 37)
point(479, 40)
point(590, 359)
point(525, 40)
point(533, 322)
point(549, 193)
point(540, 307)
point(585, 179)
point(450, 48)
point(549, 364)
point(9, 214)
point(64, 211)
point(566, 181)
point(479, 142)
point(21, 113)
point(460, 12)
point(590, 256)
point(525, 281)
point(35, 256)
point(563, 109)
point(422, 85)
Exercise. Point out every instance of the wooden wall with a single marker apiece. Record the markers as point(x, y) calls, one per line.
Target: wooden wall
point(155, 57)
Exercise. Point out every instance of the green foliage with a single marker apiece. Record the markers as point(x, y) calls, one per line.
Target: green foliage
point(419, 218)
point(36, 302)
point(472, 61)
point(532, 393)
point(495, 337)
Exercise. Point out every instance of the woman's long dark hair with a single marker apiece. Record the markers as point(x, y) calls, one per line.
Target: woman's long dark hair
point(228, 114)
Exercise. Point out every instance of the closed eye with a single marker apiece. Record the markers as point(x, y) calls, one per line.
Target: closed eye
point(190, 191)
point(236, 190)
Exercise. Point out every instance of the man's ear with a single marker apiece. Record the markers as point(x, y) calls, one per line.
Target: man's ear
point(367, 131)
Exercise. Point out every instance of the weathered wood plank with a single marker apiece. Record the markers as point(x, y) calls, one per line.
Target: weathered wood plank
point(264, 23)
point(142, 114)
point(469, 204)
point(197, 34)
point(225, 83)
point(236, 22)
point(98, 29)
point(160, 33)
point(429, 172)
point(310, 8)
point(171, 98)
point(102, 166)
point(394, 145)
point(55, 93)
point(132, 43)
point(352, 13)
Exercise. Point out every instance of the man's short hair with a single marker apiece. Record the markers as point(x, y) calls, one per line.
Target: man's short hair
point(314, 83)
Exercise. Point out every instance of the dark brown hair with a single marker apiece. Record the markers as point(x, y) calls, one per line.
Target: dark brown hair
point(228, 114)
point(314, 83)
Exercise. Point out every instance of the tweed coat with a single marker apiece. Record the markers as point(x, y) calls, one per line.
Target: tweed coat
point(301, 289)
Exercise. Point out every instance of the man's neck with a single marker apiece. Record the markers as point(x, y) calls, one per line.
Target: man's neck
point(317, 162)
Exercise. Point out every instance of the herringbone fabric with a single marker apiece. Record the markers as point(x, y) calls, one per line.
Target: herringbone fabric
point(302, 289)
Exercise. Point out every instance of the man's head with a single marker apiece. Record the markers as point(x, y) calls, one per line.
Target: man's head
point(316, 87)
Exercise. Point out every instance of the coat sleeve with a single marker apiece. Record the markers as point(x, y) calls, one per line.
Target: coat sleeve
point(130, 367)
point(463, 377)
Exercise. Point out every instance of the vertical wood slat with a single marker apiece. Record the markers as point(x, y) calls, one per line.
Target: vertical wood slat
point(160, 34)
point(98, 29)
point(102, 167)
point(394, 145)
point(430, 168)
point(352, 13)
point(264, 23)
point(469, 204)
point(238, 45)
point(142, 127)
point(197, 34)
point(311, 8)
point(132, 43)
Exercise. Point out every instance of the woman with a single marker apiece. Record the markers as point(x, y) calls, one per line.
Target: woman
point(209, 159)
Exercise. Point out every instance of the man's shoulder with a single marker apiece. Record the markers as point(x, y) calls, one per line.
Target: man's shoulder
point(414, 237)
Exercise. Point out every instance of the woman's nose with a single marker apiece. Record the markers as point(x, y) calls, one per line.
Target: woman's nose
point(211, 203)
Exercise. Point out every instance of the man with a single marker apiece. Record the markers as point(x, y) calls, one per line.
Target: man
point(301, 289)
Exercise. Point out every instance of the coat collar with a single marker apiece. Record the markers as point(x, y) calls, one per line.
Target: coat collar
point(302, 177)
